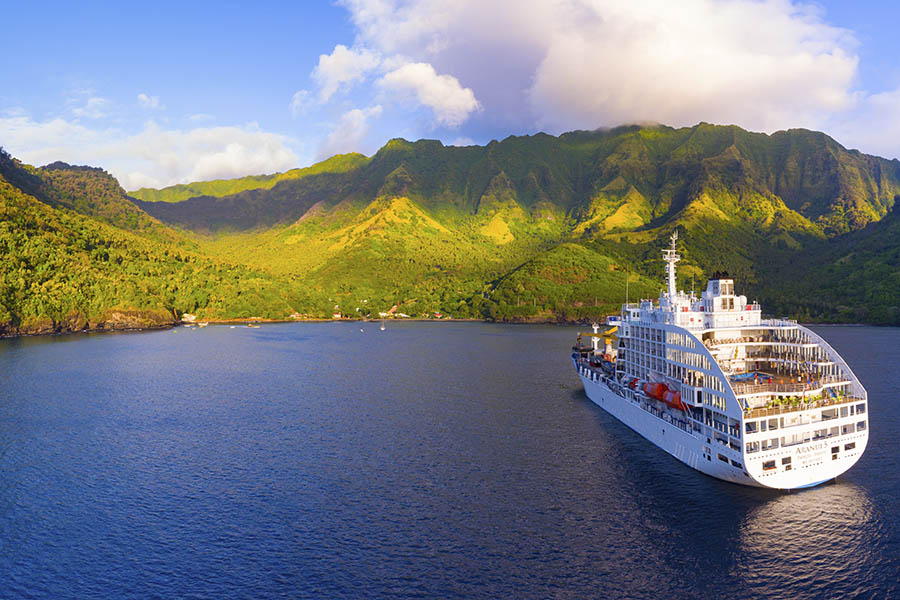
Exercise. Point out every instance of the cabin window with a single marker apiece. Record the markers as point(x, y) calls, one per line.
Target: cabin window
point(724, 459)
point(752, 447)
point(773, 424)
point(786, 460)
point(850, 428)
point(750, 426)
point(762, 425)
point(735, 463)
point(845, 411)
point(768, 465)
point(850, 446)
point(861, 426)
point(860, 409)
point(770, 444)
point(835, 449)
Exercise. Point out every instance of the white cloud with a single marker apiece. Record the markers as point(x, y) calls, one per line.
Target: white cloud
point(153, 156)
point(350, 133)
point(342, 67)
point(679, 63)
point(874, 127)
point(300, 103)
point(587, 63)
point(94, 107)
point(149, 102)
point(451, 102)
point(199, 117)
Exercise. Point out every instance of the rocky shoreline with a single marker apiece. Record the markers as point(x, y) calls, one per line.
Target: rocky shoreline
point(111, 320)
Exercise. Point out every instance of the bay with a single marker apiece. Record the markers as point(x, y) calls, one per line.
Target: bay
point(433, 460)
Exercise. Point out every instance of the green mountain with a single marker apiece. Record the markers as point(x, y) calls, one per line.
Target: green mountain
point(528, 228)
point(67, 266)
point(622, 179)
point(224, 187)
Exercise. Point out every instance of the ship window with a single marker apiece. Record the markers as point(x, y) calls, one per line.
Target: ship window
point(861, 426)
point(752, 447)
point(762, 425)
point(834, 457)
point(835, 449)
point(768, 465)
point(860, 409)
point(849, 428)
point(735, 463)
point(786, 460)
point(751, 426)
point(773, 424)
point(844, 411)
point(850, 446)
point(723, 458)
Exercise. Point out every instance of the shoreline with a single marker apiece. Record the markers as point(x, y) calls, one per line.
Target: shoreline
point(248, 321)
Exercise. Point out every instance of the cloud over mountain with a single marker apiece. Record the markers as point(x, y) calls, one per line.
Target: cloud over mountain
point(154, 156)
point(584, 64)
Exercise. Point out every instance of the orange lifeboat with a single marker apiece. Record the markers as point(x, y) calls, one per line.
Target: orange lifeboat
point(655, 390)
point(673, 399)
point(662, 392)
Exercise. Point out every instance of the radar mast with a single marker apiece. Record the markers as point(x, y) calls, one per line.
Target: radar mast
point(671, 256)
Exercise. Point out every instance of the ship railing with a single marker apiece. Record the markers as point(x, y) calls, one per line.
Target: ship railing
point(762, 387)
point(775, 411)
point(779, 322)
point(785, 358)
point(757, 339)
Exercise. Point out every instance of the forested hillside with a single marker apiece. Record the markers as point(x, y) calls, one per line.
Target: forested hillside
point(65, 270)
point(529, 228)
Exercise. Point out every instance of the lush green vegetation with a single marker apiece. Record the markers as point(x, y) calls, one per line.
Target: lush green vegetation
point(534, 228)
point(62, 270)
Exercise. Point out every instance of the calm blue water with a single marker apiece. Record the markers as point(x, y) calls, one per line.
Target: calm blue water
point(432, 460)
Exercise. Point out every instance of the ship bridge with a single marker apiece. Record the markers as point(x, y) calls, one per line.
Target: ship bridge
point(718, 306)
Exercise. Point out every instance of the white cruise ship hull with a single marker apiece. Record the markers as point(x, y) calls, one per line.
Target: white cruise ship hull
point(682, 445)
point(761, 402)
point(693, 450)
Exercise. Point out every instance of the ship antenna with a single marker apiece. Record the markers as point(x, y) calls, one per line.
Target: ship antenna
point(671, 256)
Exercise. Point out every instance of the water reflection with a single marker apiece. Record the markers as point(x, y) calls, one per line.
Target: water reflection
point(826, 541)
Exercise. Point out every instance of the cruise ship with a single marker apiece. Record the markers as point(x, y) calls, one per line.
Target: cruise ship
point(754, 401)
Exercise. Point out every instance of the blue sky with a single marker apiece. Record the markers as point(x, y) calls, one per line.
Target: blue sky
point(175, 92)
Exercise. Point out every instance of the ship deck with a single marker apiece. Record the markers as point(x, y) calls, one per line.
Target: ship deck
point(781, 409)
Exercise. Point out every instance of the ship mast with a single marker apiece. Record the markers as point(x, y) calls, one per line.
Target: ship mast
point(671, 256)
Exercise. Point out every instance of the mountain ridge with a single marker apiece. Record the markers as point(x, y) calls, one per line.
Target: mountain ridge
point(529, 228)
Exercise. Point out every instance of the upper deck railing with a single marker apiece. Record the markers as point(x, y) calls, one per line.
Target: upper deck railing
point(775, 411)
point(762, 387)
point(755, 339)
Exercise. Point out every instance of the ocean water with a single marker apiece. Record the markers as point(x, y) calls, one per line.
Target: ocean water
point(430, 460)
